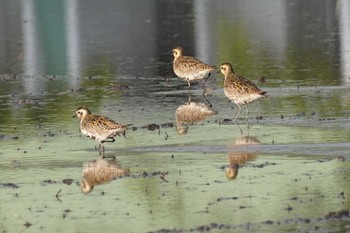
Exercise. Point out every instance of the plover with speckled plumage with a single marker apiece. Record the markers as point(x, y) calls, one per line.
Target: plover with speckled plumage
point(99, 128)
point(190, 68)
point(238, 89)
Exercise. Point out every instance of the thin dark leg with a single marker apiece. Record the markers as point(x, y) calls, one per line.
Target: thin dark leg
point(239, 128)
point(101, 149)
point(102, 154)
point(204, 86)
point(189, 84)
point(112, 140)
point(207, 77)
point(205, 97)
point(239, 112)
point(247, 115)
point(189, 98)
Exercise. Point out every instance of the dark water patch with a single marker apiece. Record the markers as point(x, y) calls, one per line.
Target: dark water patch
point(67, 181)
point(302, 125)
point(9, 185)
point(226, 198)
point(27, 224)
point(145, 174)
point(291, 149)
point(319, 224)
point(152, 127)
point(9, 137)
point(260, 165)
point(337, 214)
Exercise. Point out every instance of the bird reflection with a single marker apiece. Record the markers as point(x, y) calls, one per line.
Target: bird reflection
point(100, 171)
point(246, 140)
point(192, 112)
point(237, 157)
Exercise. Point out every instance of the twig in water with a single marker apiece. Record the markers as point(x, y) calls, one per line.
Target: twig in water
point(162, 174)
point(58, 193)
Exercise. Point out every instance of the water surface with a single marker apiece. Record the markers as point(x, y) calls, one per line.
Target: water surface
point(287, 172)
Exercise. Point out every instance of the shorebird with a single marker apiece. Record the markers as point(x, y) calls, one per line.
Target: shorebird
point(190, 68)
point(238, 89)
point(99, 128)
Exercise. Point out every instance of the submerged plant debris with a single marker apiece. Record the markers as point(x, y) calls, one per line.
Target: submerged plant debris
point(185, 164)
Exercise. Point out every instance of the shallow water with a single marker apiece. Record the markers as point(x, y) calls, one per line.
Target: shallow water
point(287, 172)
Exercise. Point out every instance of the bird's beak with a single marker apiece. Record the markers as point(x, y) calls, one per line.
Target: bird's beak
point(218, 72)
point(74, 116)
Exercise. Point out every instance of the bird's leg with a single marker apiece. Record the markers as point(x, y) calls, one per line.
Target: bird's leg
point(112, 140)
point(207, 77)
point(247, 114)
point(239, 112)
point(189, 98)
point(205, 92)
point(204, 86)
point(101, 149)
point(239, 128)
point(189, 84)
point(102, 154)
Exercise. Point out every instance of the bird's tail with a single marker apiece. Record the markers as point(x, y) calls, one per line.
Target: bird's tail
point(264, 93)
point(126, 127)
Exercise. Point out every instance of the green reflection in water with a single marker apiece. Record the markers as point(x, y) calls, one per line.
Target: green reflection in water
point(51, 24)
point(302, 62)
point(194, 195)
point(286, 174)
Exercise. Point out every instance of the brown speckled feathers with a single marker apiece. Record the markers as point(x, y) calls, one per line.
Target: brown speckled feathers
point(100, 124)
point(238, 89)
point(189, 68)
point(99, 128)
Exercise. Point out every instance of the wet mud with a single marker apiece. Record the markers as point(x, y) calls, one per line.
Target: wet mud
point(185, 164)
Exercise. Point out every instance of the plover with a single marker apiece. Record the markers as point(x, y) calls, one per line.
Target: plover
point(239, 90)
point(100, 128)
point(190, 68)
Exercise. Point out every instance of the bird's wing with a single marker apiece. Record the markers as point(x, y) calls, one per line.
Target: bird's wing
point(191, 63)
point(246, 86)
point(102, 122)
